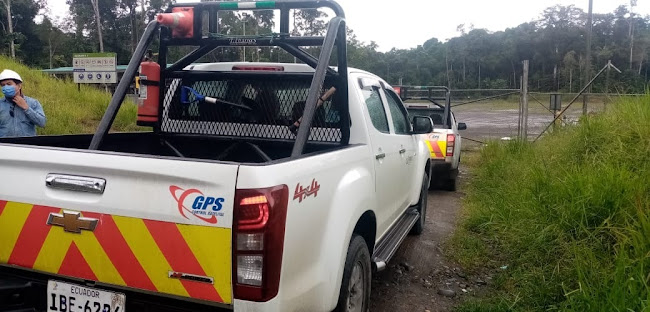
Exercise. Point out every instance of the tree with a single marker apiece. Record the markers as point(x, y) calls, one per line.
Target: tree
point(98, 22)
point(632, 22)
point(570, 65)
point(10, 27)
point(18, 35)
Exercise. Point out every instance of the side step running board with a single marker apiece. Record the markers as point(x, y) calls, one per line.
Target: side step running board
point(387, 246)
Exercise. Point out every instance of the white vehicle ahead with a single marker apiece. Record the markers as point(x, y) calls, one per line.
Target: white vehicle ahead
point(262, 186)
point(445, 141)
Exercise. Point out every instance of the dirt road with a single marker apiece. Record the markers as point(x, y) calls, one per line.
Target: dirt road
point(419, 277)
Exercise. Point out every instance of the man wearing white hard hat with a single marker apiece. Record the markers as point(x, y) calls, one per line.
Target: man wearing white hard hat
point(19, 114)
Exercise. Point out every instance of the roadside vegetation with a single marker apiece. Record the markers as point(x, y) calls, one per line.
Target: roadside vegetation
point(68, 110)
point(563, 224)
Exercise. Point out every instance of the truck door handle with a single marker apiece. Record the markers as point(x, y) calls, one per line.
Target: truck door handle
point(75, 183)
point(380, 156)
point(402, 151)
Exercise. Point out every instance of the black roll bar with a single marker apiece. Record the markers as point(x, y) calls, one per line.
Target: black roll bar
point(336, 35)
point(336, 25)
point(120, 92)
point(404, 90)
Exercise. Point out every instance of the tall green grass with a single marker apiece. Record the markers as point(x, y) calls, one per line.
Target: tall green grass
point(569, 216)
point(68, 110)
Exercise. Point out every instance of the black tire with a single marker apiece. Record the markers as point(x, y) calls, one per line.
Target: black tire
point(433, 184)
point(418, 227)
point(349, 295)
point(451, 185)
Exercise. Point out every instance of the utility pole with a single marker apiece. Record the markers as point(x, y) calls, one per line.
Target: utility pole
point(590, 23)
point(447, 65)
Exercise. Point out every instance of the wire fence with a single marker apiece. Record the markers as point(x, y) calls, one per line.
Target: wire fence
point(507, 114)
point(494, 114)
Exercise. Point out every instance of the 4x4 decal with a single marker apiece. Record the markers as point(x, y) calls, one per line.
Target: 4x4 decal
point(304, 192)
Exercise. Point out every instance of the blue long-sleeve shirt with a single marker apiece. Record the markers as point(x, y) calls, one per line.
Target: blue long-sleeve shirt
point(23, 122)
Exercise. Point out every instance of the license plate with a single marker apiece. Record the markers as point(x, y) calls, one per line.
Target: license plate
point(65, 297)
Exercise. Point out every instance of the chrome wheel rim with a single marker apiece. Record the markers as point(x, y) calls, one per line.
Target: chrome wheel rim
point(356, 289)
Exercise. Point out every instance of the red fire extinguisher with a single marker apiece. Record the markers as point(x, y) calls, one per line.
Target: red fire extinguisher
point(149, 93)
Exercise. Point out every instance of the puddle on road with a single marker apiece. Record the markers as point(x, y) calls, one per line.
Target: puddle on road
point(501, 123)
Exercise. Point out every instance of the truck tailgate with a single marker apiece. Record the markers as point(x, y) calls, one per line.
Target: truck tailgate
point(437, 143)
point(159, 225)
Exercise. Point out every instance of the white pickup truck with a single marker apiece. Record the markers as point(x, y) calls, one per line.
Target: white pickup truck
point(221, 207)
point(445, 141)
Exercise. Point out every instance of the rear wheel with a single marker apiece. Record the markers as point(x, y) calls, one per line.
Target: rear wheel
point(433, 184)
point(451, 185)
point(418, 227)
point(354, 295)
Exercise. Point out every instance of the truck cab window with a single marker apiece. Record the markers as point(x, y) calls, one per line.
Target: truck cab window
point(398, 112)
point(376, 109)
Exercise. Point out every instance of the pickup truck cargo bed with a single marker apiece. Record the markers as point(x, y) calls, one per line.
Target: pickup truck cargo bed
point(190, 146)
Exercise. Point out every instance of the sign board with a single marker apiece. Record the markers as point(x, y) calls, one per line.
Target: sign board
point(94, 67)
point(556, 102)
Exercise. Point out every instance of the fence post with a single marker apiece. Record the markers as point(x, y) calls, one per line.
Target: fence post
point(609, 67)
point(521, 103)
point(524, 93)
point(590, 25)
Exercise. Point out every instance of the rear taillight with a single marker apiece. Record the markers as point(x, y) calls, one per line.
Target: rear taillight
point(451, 142)
point(258, 224)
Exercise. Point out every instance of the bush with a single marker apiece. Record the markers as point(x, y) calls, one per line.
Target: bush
point(569, 215)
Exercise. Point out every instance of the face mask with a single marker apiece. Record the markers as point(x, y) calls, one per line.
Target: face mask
point(9, 91)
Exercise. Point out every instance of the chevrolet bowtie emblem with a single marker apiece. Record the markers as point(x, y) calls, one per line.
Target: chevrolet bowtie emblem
point(72, 221)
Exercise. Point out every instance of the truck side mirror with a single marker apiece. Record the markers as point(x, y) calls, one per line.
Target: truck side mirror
point(422, 124)
point(462, 126)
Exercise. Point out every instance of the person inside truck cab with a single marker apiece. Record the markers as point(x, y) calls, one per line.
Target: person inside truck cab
point(19, 114)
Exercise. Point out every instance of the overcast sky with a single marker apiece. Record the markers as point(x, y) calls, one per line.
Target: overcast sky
point(407, 23)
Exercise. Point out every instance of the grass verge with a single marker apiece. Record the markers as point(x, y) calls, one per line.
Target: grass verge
point(68, 110)
point(565, 221)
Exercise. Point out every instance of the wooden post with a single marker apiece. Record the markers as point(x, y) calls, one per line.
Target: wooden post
point(558, 121)
point(609, 67)
point(521, 101)
point(585, 99)
point(524, 92)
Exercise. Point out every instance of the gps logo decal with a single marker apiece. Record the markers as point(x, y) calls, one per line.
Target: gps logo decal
point(205, 208)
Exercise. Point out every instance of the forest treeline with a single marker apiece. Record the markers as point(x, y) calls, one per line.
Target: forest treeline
point(555, 44)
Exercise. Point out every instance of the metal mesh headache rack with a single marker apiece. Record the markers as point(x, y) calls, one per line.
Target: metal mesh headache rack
point(438, 95)
point(260, 103)
point(257, 108)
